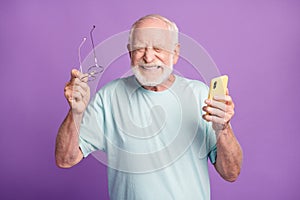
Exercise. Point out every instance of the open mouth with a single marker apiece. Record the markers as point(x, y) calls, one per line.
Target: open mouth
point(150, 67)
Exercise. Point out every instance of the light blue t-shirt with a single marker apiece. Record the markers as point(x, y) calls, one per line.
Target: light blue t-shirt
point(156, 143)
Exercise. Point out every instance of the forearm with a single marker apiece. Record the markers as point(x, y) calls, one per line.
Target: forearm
point(229, 155)
point(67, 152)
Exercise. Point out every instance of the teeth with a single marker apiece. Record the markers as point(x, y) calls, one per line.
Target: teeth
point(149, 68)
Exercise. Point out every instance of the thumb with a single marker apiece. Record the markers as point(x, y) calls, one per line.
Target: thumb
point(75, 73)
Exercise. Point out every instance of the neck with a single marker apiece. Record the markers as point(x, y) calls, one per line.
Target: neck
point(163, 86)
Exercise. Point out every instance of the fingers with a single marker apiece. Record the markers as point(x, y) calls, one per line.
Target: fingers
point(226, 99)
point(219, 110)
point(80, 83)
point(77, 74)
point(223, 118)
point(215, 119)
point(214, 111)
point(221, 102)
point(77, 85)
point(78, 78)
point(73, 96)
point(216, 104)
point(77, 88)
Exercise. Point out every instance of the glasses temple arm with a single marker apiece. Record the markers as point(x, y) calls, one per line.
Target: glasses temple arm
point(91, 35)
point(79, 54)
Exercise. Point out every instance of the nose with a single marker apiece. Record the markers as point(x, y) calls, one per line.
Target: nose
point(149, 55)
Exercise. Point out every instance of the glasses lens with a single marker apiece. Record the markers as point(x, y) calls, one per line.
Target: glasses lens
point(94, 71)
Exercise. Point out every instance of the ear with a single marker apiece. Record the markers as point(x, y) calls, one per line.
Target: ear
point(129, 52)
point(176, 54)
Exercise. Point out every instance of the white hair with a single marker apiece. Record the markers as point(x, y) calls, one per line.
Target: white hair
point(171, 25)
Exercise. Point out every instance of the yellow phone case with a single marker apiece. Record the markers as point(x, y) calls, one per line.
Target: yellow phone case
point(218, 86)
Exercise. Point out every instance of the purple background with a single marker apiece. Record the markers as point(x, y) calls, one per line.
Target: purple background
point(256, 43)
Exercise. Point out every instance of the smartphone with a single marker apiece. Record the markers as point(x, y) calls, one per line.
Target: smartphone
point(218, 86)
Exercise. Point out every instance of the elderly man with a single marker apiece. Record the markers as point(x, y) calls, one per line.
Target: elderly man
point(156, 128)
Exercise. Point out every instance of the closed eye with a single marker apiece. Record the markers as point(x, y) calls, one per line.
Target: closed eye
point(157, 49)
point(139, 49)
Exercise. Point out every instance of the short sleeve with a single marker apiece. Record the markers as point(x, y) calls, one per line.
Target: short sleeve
point(212, 143)
point(209, 149)
point(92, 127)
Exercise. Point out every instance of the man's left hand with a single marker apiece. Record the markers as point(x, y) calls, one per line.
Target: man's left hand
point(219, 111)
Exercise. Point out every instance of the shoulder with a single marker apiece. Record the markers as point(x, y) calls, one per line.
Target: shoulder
point(115, 86)
point(196, 85)
point(117, 83)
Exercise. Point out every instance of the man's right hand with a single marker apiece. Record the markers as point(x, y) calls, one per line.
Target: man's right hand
point(77, 92)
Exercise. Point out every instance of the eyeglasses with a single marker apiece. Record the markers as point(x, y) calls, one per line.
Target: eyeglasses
point(94, 70)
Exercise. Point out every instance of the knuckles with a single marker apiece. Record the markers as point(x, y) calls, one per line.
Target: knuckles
point(225, 105)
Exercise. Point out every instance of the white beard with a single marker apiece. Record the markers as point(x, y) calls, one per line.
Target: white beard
point(152, 74)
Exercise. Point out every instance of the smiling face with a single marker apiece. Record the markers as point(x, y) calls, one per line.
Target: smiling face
point(153, 52)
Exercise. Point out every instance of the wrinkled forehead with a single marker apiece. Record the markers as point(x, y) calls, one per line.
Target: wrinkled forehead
point(153, 37)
